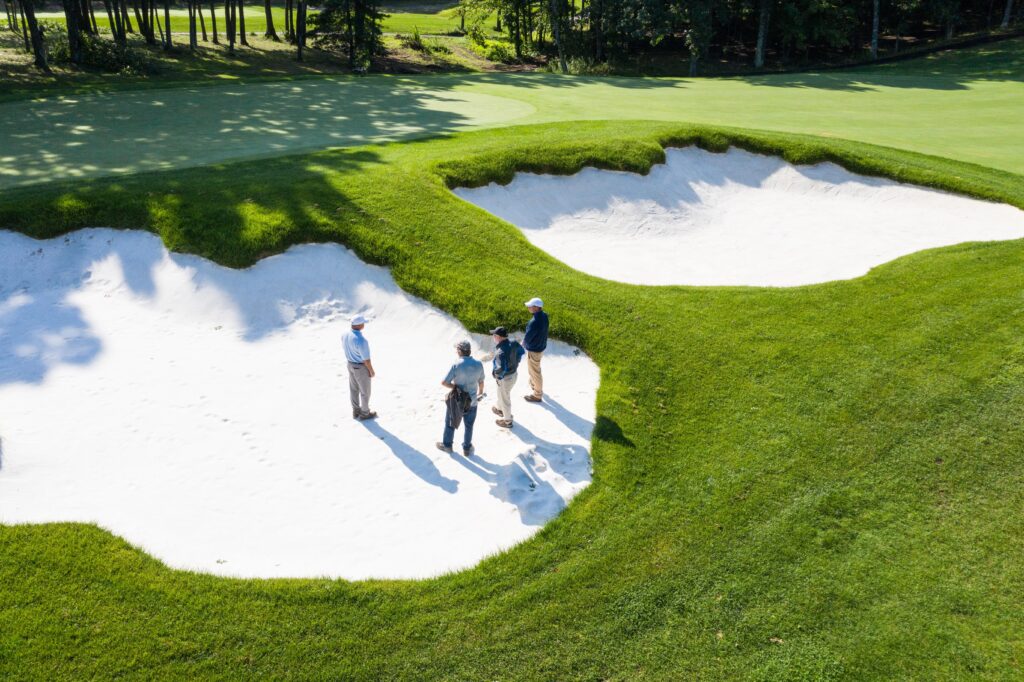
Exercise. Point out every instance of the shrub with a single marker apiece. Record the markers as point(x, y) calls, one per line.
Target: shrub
point(98, 53)
point(493, 50)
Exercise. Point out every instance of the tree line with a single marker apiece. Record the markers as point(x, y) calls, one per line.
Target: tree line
point(350, 25)
point(598, 31)
point(590, 32)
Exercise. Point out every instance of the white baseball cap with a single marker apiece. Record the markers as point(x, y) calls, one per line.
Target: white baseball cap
point(535, 302)
point(358, 320)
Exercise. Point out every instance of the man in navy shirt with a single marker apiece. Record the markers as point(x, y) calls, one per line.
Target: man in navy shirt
point(505, 363)
point(535, 342)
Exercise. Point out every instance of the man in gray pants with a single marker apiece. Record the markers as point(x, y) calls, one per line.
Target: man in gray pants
point(360, 369)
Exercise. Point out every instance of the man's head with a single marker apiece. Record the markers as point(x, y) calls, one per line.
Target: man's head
point(499, 334)
point(534, 304)
point(358, 322)
point(463, 348)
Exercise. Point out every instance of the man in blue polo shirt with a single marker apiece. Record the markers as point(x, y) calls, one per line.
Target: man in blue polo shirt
point(536, 341)
point(360, 369)
point(466, 379)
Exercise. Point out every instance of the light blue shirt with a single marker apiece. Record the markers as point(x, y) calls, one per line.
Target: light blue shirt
point(357, 349)
point(467, 374)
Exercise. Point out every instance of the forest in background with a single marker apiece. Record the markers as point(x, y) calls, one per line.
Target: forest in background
point(578, 36)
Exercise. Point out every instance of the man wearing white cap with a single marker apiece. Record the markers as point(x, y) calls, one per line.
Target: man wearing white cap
point(536, 341)
point(360, 369)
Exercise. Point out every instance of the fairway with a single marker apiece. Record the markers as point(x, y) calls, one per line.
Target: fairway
point(816, 482)
point(963, 108)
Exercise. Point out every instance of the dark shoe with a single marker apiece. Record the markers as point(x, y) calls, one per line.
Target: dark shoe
point(444, 448)
point(531, 399)
point(498, 412)
point(365, 416)
point(468, 451)
point(504, 423)
point(355, 414)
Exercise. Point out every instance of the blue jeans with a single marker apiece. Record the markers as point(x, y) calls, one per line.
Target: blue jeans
point(468, 419)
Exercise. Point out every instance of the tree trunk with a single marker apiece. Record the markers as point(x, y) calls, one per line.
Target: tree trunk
point(350, 35)
point(24, 27)
point(557, 35)
point(213, 22)
point(193, 34)
point(229, 23)
point(1007, 14)
point(270, 32)
point(241, 23)
point(202, 20)
point(110, 20)
point(763, 17)
point(92, 17)
point(28, 17)
point(125, 18)
point(72, 19)
point(875, 10)
point(949, 29)
point(167, 25)
point(300, 29)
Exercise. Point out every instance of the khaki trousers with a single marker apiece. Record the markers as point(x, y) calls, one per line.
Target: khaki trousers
point(536, 380)
point(504, 398)
point(359, 387)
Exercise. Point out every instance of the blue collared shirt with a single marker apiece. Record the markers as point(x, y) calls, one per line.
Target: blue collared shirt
point(536, 337)
point(467, 374)
point(357, 349)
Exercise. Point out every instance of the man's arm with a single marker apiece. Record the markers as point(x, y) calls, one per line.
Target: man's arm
point(369, 366)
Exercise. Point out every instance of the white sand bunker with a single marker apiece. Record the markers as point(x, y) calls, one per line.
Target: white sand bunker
point(203, 414)
point(736, 219)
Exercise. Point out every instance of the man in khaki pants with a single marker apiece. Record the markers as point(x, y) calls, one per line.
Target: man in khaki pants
point(505, 363)
point(536, 341)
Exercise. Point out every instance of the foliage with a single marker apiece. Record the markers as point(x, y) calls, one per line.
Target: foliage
point(351, 26)
point(99, 53)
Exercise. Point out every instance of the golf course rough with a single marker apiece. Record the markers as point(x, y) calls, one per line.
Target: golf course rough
point(815, 483)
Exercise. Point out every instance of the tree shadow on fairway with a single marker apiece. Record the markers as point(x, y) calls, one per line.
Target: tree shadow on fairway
point(137, 131)
point(414, 460)
point(948, 70)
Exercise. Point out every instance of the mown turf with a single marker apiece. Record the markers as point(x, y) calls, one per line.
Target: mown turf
point(966, 106)
point(813, 483)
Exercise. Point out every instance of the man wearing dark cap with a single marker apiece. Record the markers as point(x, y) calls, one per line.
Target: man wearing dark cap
point(507, 355)
point(466, 380)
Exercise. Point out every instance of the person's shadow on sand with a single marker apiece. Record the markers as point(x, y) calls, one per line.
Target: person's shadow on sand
point(414, 460)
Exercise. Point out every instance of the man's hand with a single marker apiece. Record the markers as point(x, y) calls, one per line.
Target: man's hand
point(369, 368)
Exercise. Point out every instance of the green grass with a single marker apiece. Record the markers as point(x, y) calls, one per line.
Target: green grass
point(790, 484)
point(442, 21)
point(965, 106)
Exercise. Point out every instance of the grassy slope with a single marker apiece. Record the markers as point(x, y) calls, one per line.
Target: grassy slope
point(964, 105)
point(813, 483)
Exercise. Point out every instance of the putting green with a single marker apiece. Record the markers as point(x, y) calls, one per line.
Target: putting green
point(966, 106)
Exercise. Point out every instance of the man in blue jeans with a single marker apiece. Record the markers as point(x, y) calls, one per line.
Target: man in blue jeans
point(466, 379)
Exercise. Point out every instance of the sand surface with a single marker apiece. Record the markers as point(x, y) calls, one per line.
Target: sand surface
point(202, 414)
point(736, 219)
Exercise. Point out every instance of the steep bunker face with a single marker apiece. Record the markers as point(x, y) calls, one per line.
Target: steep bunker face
point(202, 413)
point(736, 218)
